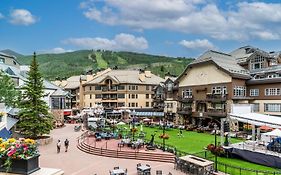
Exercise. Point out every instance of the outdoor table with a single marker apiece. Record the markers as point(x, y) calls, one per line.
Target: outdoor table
point(118, 172)
point(143, 168)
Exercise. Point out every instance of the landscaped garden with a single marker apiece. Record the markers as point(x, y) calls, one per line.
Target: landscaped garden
point(193, 142)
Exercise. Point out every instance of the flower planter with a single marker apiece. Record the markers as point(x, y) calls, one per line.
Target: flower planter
point(22, 166)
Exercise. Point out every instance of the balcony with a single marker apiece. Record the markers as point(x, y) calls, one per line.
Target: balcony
point(186, 99)
point(158, 98)
point(216, 97)
point(104, 89)
point(217, 113)
point(109, 98)
point(184, 110)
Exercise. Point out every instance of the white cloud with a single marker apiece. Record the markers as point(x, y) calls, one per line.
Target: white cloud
point(243, 21)
point(22, 17)
point(58, 50)
point(121, 41)
point(197, 44)
point(1, 16)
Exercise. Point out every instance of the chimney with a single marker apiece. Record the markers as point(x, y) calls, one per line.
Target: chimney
point(147, 74)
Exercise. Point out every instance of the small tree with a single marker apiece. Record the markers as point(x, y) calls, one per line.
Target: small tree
point(34, 118)
point(8, 92)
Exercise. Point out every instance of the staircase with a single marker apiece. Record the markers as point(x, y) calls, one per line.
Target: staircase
point(138, 155)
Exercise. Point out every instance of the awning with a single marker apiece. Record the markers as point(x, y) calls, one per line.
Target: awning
point(11, 122)
point(258, 119)
point(149, 114)
point(5, 134)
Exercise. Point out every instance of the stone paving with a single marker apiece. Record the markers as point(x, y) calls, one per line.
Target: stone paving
point(76, 162)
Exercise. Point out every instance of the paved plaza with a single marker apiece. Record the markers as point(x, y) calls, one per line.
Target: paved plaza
point(76, 162)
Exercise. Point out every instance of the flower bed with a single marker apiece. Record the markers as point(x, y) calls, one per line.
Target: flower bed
point(164, 136)
point(14, 151)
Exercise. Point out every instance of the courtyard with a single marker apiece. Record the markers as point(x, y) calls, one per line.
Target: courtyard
point(76, 162)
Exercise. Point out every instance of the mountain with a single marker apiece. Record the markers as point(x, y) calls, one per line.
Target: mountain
point(60, 66)
point(11, 52)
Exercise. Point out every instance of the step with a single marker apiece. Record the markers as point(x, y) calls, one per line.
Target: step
point(126, 155)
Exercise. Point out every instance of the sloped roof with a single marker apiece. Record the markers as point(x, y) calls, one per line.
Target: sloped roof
point(127, 76)
point(223, 61)
point(243, 53)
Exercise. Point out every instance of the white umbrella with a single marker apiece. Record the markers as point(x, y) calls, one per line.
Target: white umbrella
point(121, 123)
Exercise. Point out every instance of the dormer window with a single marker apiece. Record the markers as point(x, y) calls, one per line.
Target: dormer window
point(257, 62)
point(2, 60)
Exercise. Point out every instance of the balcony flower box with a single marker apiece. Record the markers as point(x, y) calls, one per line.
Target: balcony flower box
point(19, 156)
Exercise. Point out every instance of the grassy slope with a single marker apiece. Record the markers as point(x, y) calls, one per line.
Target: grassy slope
point(193, 142)
point(100, 61)
point(75, 63)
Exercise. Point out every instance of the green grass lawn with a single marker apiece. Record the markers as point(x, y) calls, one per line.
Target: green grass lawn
point(101, 62)
point(193, 142)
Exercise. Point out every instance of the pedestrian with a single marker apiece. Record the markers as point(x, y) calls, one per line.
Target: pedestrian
point(58, 146)
point(181, 133)
point(66, 144)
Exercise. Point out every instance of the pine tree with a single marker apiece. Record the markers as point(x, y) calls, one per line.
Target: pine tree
point(34, 118)
point(8, 92)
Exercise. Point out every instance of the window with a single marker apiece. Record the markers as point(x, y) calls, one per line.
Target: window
point(121, 95)
point(256, 107)
point(129, 87)
point(254, 92)
point(272, 107)
point(98, 96)
point(132, 95)
point(133, 88)
point(90, 88)
point(272, 76)
point(257, 62)
point(97, 88)
point(133, 104)
point(136, 95)
point(147, 88)
point(146, 96)
point(147, 104)
point(169, 105)
point(129, 95)
point(187, 93)
point(90, 104)
point(272, 91)
point(129, 104)
point(121, 104)
point(2, 60)
point(121, 87)
point(170, 87)
point(137, 104)
point(90, 96)
point(239, 91)
point(137, 88)
point(219, 90)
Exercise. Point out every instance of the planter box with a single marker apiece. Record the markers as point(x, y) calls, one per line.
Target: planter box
point(21, 166)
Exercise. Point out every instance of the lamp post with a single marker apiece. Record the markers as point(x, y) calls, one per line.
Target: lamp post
point(164, 131)
point(133, 123)
point(216, 155)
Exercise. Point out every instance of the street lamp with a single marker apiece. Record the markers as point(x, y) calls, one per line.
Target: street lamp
point(216, 154)
point(133, 123)
point(164, 131)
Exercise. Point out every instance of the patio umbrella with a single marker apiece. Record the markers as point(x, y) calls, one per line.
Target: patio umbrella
point(121, 123)
point(266, 128)
point(146, 119)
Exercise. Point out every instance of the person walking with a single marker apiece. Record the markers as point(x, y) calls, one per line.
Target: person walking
point(66, 144)
point(58, 146)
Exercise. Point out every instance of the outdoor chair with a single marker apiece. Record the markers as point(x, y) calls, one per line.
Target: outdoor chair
point(159, 172)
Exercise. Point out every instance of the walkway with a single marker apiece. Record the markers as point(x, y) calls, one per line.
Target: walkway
point(76, 162)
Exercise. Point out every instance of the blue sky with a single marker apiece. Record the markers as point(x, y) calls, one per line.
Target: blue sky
point(166, 27)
